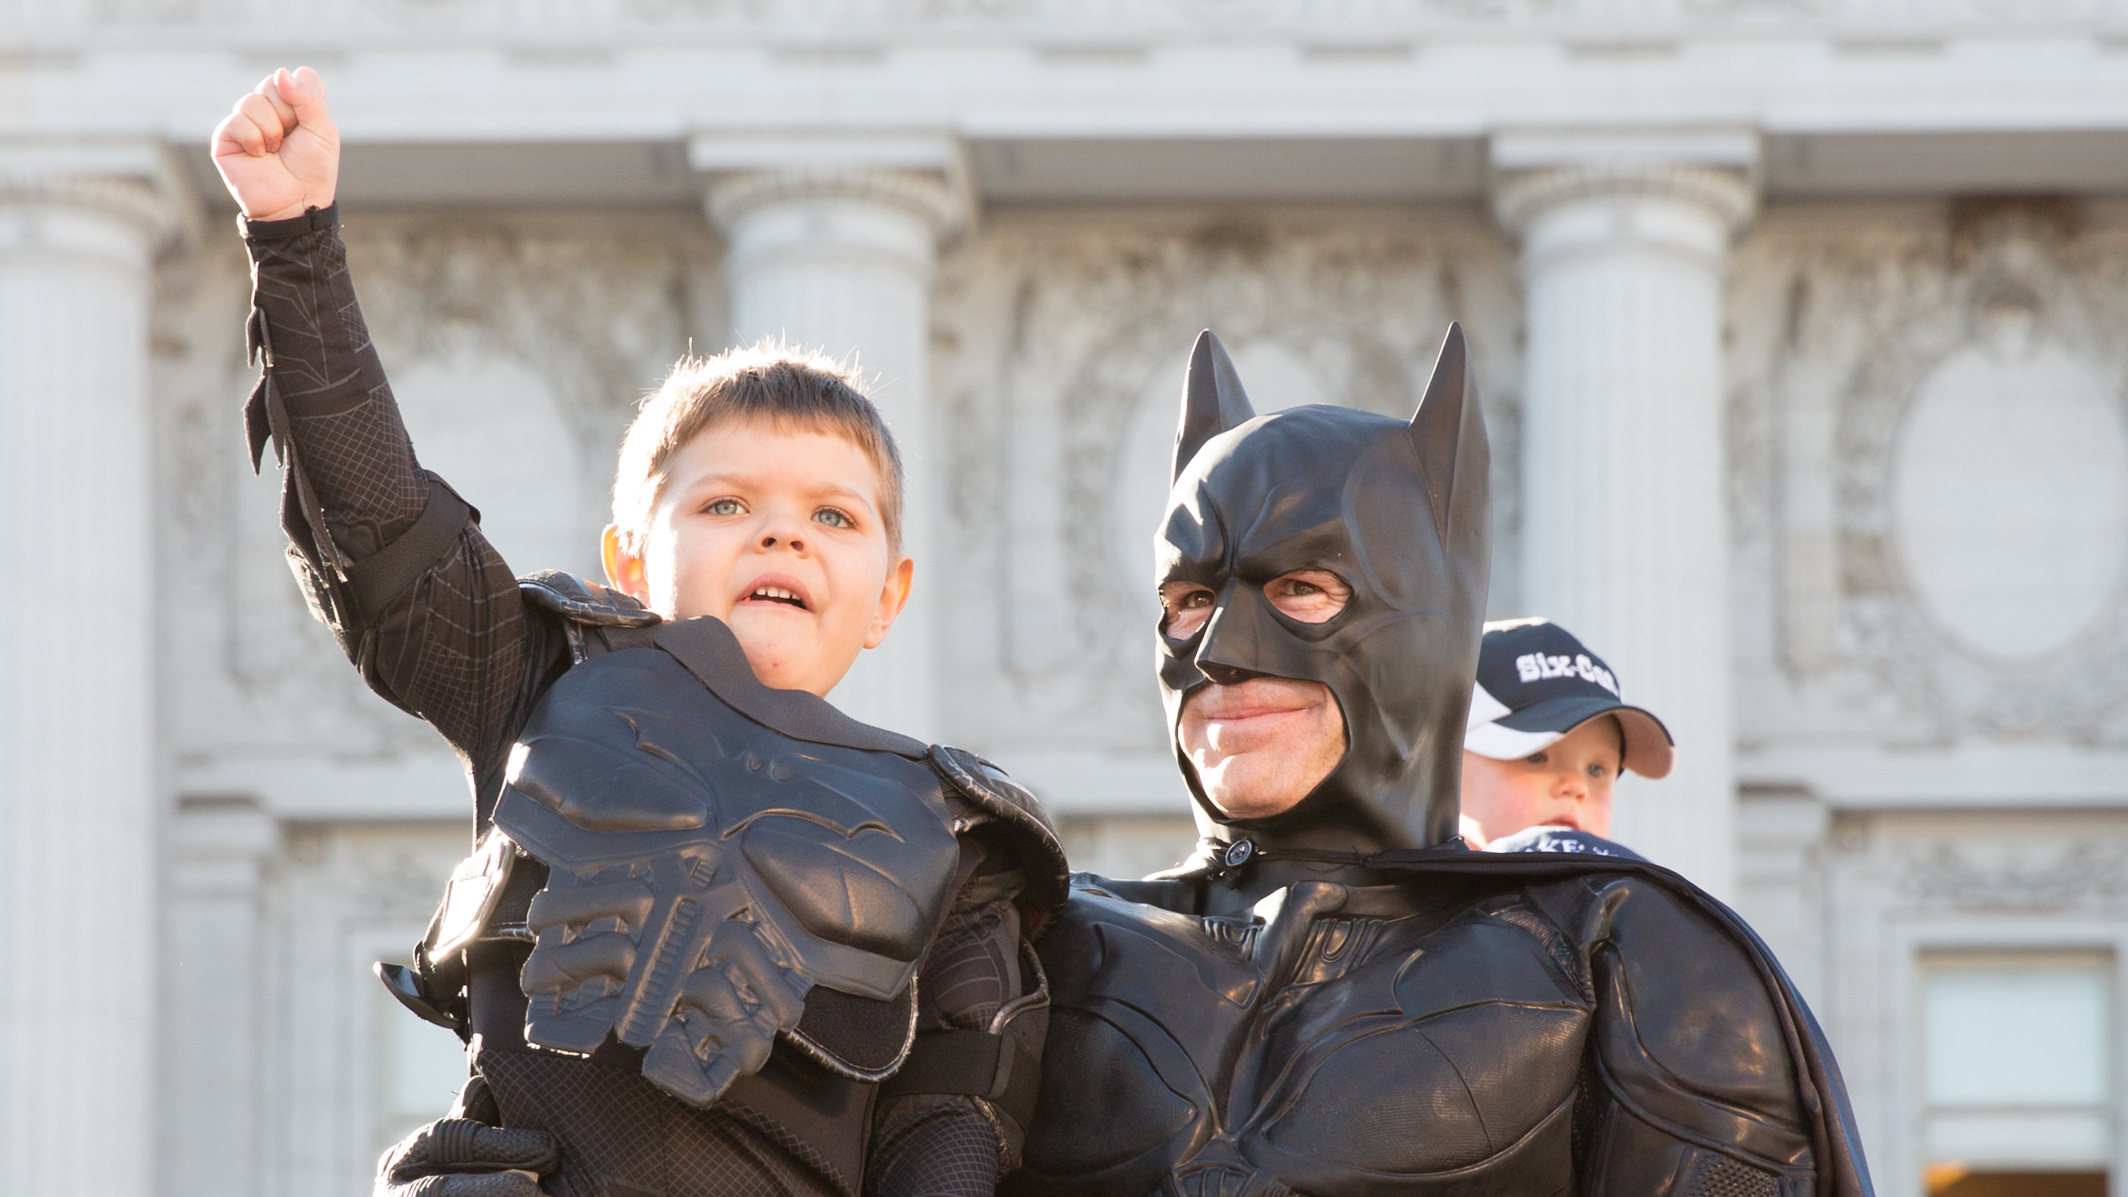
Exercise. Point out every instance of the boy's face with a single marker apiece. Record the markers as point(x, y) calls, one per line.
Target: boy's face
point(777, 532)
point(1569, 784)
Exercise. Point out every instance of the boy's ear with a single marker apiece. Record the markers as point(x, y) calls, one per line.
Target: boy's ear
point(624, 570)
point(892, 598)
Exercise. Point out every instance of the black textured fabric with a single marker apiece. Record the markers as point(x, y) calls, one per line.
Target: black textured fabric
point(462, 1157)
point(973, 969)
point(472, 1184)
point(931, 1148)
point(1719, 1176)
point(454, 648)
point(617, 1127)
point(457, 1144)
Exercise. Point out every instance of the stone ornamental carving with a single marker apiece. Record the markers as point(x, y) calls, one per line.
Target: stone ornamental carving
point(2022, 319)
point(2082, 874)
point(889, 18)
point(1929, 430)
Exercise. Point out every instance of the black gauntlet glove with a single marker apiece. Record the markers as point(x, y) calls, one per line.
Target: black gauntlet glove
point(466, 1155)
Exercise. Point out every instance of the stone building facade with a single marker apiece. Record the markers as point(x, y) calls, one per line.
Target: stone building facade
point(1802, 328)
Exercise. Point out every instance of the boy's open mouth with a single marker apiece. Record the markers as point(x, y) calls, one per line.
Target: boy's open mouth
point(775, 594)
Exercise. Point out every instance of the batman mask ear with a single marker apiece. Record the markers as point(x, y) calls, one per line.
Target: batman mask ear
point(1212, 400)
point(1449, 433)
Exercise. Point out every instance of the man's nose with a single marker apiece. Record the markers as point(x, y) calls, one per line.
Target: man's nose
point(1232, 649)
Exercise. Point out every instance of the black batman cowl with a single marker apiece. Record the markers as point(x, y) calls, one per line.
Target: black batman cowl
point(1401, 513)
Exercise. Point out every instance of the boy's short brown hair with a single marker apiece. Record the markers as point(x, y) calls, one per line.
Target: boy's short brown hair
point(790, 388)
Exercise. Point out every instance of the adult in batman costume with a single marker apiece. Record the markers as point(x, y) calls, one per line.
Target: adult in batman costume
point(715, 937)
point(1340, 999)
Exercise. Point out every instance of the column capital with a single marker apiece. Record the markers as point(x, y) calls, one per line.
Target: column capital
point(132, 181)
point(1539, 171)
point(925, 175)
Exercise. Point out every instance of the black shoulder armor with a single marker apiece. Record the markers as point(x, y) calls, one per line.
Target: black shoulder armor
point(999, 801)
point(582, 601)
point(726, 863)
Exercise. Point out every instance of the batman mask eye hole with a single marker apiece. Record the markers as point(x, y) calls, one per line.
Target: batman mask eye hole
point(1308, 595)
point(1184, 606)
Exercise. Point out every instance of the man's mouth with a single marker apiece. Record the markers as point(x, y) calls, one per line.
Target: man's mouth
point(1247, 713)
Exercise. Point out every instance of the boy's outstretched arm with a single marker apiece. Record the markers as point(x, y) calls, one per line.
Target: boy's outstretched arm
point(391, 559)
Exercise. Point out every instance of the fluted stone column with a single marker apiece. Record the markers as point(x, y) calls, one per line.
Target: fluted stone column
point(1624, 534)
point(219, 851)
point(840, 258)
point(77, 776)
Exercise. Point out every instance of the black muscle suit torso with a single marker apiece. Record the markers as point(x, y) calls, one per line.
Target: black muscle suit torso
point(1513, 1032)
point(395, 564)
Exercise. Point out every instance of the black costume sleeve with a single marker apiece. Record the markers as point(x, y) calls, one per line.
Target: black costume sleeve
point(390, 558)
point(957, 1144)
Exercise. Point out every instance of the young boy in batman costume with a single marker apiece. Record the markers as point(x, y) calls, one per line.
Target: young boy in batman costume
point(1335, 997)
point(715, 937)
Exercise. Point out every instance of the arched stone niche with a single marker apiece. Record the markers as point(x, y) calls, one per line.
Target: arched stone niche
point(2009, 492)
point(1982, 456)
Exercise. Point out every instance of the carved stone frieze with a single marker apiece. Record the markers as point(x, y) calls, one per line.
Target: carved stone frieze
point(2080, 875)
point(1871, 317)
point(1108, 17)
point(598, 305)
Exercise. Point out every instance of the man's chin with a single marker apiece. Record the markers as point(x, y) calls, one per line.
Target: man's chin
point(1241, 789)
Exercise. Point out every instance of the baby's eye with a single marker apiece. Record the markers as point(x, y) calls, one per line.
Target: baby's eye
point(1598, 771)
point(1538, 758)
point(834, 518)
point(725, 507)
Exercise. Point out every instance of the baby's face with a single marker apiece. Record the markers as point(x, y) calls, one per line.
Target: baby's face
point(777, 532)
point(1570, 784)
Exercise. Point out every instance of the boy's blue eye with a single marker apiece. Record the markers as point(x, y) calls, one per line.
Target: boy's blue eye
point(725, 507)
point(833, 518)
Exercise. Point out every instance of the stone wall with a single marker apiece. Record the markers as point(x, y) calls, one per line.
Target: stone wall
point(1925, 505)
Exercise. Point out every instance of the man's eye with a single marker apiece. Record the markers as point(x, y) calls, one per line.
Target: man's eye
point(725, 507)
point(834, 518)
point(1185, 608)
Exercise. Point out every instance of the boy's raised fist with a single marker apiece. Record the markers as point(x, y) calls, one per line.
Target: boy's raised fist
point(278, 149)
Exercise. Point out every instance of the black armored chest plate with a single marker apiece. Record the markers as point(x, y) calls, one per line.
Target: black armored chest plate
point(1347, 1044)
point(712, 877)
